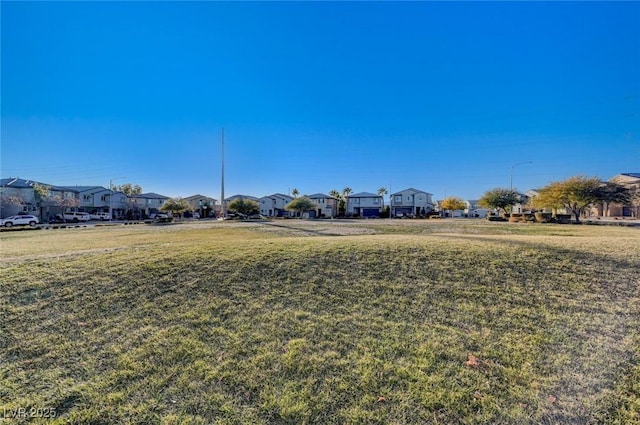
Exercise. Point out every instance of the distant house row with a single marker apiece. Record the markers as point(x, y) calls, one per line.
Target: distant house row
point(364, 204)
point(20, 195)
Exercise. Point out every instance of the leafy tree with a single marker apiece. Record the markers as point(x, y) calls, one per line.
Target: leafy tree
point(10, 200)
point(300, 205)
point(612, 192)
point(176, 206)
point(44, 200)
point(500, 199)
point(128, 189)
point(577, 193)
point(453, 203)
point(244, 206)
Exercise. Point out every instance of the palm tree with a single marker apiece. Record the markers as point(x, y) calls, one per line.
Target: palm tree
point(345, 197)
point(381, 192)
point(338, 196)
point(295, 192)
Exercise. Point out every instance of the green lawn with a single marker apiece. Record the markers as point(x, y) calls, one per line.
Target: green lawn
point(293, 322)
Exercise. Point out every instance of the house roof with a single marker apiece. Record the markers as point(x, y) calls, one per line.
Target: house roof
point(198, 196)
point(279, 195)
point(231, 198)
point(320, 196)
point(149, 195)
point(18, 183)
point(411, 189)
point(81, 189)
point(634, 175)
point(364, 195)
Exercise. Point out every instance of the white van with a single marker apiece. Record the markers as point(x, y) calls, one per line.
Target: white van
point(100, 216)
point(77, 216)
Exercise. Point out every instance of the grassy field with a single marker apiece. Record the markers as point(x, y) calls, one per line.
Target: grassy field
point(297, 322)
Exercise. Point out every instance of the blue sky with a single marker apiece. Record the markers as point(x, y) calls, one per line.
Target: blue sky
point(442, 96)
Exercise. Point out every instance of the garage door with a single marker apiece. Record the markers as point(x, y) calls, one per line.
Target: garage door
point(370, 212)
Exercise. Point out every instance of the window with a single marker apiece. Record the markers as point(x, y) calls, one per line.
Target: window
point(398, 199)
point(104, 198)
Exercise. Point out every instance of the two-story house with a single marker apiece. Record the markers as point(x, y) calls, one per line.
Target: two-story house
point(631, 181)
point(145, 204)
point(274, 205)
point(411, 202)
point(96, 198)
point(475, 210)
point(203, 205)
point(20, 195)
point(327, 206)
point(364, 204)
point(16, 195)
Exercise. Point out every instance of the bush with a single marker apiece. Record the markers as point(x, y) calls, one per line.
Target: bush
point(563, 218)
point(496, 218)
point(543, 217)
point(515, 218)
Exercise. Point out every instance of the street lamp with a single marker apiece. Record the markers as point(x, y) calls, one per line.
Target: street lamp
point(514, 166)
point(111, 196)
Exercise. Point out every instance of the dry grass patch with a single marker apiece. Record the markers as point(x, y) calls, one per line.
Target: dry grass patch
point(236, 324)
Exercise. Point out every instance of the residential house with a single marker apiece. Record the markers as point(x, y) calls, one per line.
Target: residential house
point(19, 195)
point(475, 210)
point(16, 195)
point(327, 206)
point(100, 199)
point(144, 204)
point(274, 205)
point(523, 205)
point(230, 199)
point(411, 202)
point(447, 213)
point(203, 205)
point(631, 181)
point(364, 204)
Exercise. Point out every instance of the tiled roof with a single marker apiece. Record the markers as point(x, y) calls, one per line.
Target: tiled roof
point(364, 195)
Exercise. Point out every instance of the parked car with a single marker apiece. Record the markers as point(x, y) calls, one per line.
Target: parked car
point(76, 216)
point(20, 220)
point(100, 216)
point(162, 217)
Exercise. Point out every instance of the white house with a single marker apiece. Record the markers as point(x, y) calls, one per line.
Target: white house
point(274, 205)
point(475, 210)
point(411, 202)
point(203, 205)
point(364, 204)
point(16, 195)
point(146, 203)
point(98, 198)
point(19, 195)
point(327, 206)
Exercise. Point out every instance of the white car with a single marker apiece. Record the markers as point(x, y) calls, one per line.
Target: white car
point(100, 216)
point(76, 216)
point(20, 220)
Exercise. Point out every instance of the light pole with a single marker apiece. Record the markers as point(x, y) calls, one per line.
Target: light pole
point(511, 175)
point(111, 196)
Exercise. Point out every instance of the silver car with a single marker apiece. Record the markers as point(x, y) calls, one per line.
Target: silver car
point(20, 220)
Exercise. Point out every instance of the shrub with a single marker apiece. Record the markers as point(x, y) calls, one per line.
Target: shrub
point(543, 217)
point(563, 218)
point(496, 218)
